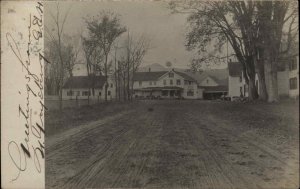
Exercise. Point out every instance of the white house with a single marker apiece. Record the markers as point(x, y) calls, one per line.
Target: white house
point(294, 77)
point(165, 84)
point(236, 83)
point(287, 76)
point(213, 87)
point(84, 87)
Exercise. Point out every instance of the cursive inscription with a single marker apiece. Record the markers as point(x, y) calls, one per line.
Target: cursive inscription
point(30, 113)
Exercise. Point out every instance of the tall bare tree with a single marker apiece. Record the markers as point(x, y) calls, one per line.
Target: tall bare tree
point(134, 50)
point(56, 35)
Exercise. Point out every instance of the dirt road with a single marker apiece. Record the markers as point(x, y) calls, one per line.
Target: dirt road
point(180, 144)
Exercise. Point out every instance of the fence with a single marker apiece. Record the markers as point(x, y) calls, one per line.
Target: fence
point(52, 102)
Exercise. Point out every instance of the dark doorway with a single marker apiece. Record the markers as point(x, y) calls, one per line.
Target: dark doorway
point(172, 93)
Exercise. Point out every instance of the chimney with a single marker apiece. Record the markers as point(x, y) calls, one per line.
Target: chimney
point(149, 69)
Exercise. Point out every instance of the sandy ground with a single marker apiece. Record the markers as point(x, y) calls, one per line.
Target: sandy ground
point(180, 144)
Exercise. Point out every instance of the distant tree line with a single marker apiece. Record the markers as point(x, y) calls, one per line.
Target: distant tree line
point(101, 54)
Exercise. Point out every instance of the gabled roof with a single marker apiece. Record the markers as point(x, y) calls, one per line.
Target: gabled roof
point(185, 76)
point(220, 76)
point(235, 69)
point(148, 76)
point(77, 82)
point(153, 76)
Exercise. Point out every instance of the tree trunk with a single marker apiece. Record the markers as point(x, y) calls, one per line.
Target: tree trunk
point(128, 82)
point(116, 82)
point(124, 87)
point(259, 64)
point(132, 83)
point(263, 94)
point(106, 78)
point(271, 80)
point(119, 86)
point(253, 95)
point(60, 99)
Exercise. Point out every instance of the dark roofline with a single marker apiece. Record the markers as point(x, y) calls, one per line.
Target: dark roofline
point(234, 69)
point(185, 76)
point(84, 82)
point(148, 76)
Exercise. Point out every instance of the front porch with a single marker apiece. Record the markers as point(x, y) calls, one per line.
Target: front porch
point(214, 92)
point(159, 92)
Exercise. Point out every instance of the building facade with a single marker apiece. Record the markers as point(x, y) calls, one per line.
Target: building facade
point(213, 88)
point(287, 77)
point(85, 87)
point(165, 84)
point(294, 77)
point(237, 86)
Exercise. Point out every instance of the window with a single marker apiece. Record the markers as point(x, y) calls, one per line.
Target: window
point(293, 83)
point(140, 83)
point(190, 93)
point(111, 85)
point(150, 82)
point(190, 83)
point(154, 82)
point(207, 81)
point(241, 79)
point(171, 81)
point(186, 82)
point(164, 93)
point(78, 93)
point(99, 93)
point(178, 82)
point(108, 93)
point(171, 75)
point(69, 93)
point(85, 93)
point(165, 82)
point(293, 64)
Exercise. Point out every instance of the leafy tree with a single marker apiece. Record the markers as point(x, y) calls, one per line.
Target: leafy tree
point(104, 29)
point(242, 24)
point(278, 22)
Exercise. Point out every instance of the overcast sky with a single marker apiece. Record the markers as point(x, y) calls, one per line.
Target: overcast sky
point(153, 19)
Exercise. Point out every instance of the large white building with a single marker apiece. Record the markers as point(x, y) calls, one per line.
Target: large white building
point(178, 83)
point(84, 87)
point(165, 84)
